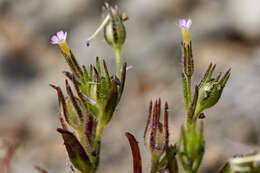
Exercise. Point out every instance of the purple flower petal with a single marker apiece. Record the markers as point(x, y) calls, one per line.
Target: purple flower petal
point(184, 24)
point(65, 36)
point(54, 39)
point(188, 23)
point(59, 38)
point(60, 35)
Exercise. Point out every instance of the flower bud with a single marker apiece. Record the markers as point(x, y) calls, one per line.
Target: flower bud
point(188, 59)
point(156, 135)
point(210, 89)
point(114, 31)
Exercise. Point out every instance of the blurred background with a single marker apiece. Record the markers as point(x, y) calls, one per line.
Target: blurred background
point(225, 32)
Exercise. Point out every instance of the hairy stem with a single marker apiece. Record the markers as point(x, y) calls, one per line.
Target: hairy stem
point(97, 145)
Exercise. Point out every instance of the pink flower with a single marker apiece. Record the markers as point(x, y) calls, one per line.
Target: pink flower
point(184, 24)
point(59, 38)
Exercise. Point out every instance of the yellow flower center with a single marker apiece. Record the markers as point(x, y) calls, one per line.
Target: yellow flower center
point(65, 48)
point(185, 36)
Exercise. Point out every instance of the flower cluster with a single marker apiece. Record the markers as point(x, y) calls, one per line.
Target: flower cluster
point(191, 145)
point(84, 115)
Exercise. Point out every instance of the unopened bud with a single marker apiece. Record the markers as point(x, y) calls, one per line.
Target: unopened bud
point(156, 135)
point(114, 30)
point(210, 89)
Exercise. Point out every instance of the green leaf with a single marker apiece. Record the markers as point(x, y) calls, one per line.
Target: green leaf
point(85, 74)
point(76, 152)
point(111, 102)
point(98, 66)
point(122, 82)
point(107, 77)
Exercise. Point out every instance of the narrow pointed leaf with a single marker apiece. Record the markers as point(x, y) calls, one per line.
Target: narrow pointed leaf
point(91, 73)
point(107, 77)
point(76, 86)
point(75, 63)
point(74, 101)
point(205, 75)
point(40, 170)
point(62, 103)
point(193, 105)
point(98, 66)
point(111, 102)
point(122, 82)
point(68, 74)
point(226, 169)
point(209, 77)
point(5, 162)
point(225, 78)
point(154, 126)
point(165, 124)
point(149, 118)
point(218, 77)
point(137, 161)
point(85, 74)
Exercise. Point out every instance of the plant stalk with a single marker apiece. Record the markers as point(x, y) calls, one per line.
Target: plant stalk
point(118, 62)
point(155, 163)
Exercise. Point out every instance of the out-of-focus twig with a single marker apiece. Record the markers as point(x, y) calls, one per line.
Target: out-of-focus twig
point(4, 164)
point(40, 170)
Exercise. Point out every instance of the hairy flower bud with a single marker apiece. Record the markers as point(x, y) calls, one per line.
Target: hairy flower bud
point(156, 135)
point(114, 31)
point(210, 89)
point(113, 25)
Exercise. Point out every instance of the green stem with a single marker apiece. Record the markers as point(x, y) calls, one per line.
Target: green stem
point(155, 163)
point(118, 61)
point(97, 144)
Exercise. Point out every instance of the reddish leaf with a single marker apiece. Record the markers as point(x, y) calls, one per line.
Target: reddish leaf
point(4, 165)
point(149, 118)
point(135, 153)
point(40, 170)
